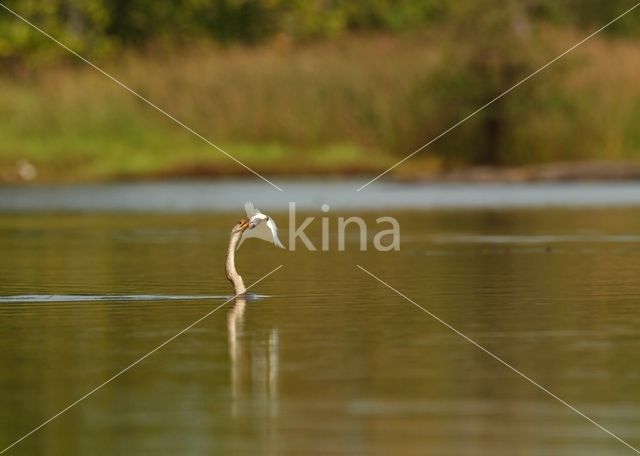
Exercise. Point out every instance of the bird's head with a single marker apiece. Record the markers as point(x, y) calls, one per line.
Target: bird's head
point(242, 225)
point(257, 219)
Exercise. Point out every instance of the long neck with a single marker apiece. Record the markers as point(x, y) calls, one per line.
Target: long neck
point(232, 274)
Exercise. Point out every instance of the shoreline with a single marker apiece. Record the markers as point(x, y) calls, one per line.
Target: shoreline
point(586, 171)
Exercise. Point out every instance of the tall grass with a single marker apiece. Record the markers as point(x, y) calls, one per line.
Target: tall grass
point(352, 104)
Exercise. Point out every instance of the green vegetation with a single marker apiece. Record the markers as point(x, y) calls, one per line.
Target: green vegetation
point(313, 87)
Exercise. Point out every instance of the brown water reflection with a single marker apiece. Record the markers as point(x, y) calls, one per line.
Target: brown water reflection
point(330, 362)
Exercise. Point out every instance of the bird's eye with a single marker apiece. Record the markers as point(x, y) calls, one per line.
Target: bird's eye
point(267, 219)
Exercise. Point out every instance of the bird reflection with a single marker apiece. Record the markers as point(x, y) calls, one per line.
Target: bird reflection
point(254, 365)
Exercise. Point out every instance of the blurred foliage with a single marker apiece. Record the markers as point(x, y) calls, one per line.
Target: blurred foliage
point(364, 78)
point(97, 27)
point(475, 75)
point(310, 109)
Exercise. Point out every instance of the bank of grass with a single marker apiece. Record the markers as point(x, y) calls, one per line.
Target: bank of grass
point(353, 105)
point(157, 154)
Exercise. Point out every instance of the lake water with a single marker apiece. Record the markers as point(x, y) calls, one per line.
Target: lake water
point(326, 360)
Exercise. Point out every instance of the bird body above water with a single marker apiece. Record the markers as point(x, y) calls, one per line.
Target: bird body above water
point(256, 225)
point(261, 226)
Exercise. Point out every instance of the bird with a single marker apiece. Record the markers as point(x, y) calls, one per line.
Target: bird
point(256, 224)
point(260, 226)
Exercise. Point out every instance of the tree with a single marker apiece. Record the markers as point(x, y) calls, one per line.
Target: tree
point(488, 48)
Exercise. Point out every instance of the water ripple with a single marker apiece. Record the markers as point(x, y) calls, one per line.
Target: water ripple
point(46, 298)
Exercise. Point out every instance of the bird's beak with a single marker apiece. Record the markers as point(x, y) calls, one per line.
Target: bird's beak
point(244, 224)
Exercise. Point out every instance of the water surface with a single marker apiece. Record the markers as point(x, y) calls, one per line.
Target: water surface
point(309, 194)
point(329, 361)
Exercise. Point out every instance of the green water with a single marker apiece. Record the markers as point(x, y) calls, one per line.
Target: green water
point(332, 361)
